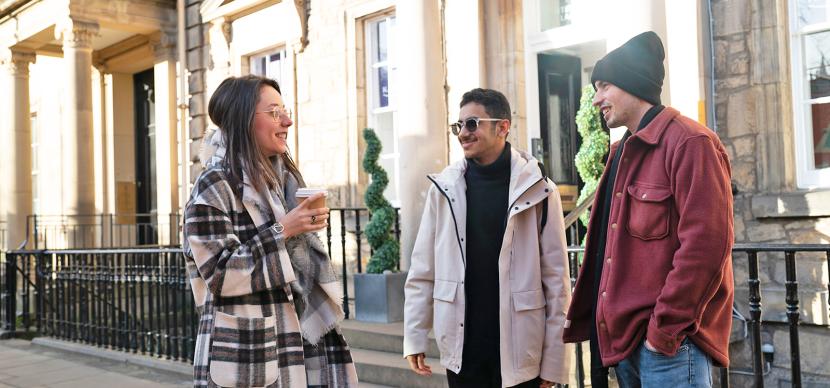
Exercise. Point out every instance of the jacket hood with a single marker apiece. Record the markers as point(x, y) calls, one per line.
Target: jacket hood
point(525, 171)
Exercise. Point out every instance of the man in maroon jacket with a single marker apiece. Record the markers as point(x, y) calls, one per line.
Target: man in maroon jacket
point(654, 295)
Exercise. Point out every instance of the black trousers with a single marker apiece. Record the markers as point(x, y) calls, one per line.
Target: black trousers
point(485, 378)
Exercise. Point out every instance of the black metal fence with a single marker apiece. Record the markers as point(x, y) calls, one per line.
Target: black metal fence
point(787, 252)
point(102, 230)
point(133, 300)
point(138, 300)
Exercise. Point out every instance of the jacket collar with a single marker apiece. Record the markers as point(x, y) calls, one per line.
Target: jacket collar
point(524, 173)
point(652, 132)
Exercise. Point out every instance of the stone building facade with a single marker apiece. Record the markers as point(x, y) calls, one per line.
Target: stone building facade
point(87, 82)
point(752, 70)
point(763, 110)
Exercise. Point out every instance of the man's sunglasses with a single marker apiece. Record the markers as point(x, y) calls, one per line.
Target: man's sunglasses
point(470, 123)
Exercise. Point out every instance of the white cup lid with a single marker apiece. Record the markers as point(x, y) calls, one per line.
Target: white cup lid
point(308, 191)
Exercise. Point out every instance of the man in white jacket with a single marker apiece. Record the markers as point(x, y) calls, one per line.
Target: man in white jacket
point(489, 270)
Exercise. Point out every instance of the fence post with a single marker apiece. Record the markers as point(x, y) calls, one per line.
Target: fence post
point(791, 299)
point(34, 229)
point(10, 291)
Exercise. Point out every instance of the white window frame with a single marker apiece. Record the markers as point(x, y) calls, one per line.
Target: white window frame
point(373, 97)
point(807, 176)
point(285, 71)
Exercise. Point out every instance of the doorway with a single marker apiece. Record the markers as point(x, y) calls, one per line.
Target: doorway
point(145, 158)
point(559, 94)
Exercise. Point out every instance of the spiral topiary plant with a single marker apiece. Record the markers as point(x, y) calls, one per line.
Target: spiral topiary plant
point(595, 140)
point(386, 250)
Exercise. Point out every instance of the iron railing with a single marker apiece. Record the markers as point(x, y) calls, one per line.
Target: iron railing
point(102, 230)
point(133, 300)
point(786, 251)
point(138, 300)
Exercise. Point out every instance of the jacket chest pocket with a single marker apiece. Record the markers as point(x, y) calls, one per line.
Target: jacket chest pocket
point(648, 212)
point(243, 351)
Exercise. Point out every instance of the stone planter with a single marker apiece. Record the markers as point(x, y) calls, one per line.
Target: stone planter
point(379, 297)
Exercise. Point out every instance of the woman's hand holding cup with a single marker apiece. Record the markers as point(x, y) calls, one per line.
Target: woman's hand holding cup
point(304, 218)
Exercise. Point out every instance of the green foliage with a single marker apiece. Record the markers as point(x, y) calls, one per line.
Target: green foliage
point(386, 251)
point(594, 147)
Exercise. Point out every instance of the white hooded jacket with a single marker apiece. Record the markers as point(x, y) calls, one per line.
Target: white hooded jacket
point(534, 282)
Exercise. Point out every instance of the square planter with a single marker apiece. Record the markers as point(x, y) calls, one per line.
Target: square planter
point(379, 297)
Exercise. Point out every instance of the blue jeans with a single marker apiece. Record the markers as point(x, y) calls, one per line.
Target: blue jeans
point(690, 367)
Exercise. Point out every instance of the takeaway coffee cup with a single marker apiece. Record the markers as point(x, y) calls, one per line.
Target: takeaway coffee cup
point(305, 192)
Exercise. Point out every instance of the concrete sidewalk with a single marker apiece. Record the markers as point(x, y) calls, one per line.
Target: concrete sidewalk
point(23, 364)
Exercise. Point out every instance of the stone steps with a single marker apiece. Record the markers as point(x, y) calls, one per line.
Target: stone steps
point(377, 350)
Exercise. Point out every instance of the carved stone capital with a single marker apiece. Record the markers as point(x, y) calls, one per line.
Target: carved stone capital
point(225, 25)
point(76, 33)
point(164, 44)
point(17, 62)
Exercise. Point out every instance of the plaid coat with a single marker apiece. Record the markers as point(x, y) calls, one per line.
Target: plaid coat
point(249, 331)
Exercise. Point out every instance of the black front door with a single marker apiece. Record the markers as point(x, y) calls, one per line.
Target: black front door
point(559, 93)
point(145, 157)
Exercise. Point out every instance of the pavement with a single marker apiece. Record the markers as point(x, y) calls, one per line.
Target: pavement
point(24, 364)
point(46, 362)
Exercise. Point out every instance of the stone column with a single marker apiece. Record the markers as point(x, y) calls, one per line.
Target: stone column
point(17, 155)
point(77, 131)
point(504, 55)
point(422, 111)
point(166, 158)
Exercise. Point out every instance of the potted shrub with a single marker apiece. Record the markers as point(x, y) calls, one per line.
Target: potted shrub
point(379, 291)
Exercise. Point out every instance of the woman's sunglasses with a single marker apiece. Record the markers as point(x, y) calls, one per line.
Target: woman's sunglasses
point(470, 123)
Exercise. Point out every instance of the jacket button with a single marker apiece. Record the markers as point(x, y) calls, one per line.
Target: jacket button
point(527, 203)
point(453, 199)
point(619, 194)
point(602, 325)
point(462, 238)
point(608, 260)
point(517, 208)
point(604, 295)
point(547, 190)
point(644, 196)
point(462, 325)
point(614, 226)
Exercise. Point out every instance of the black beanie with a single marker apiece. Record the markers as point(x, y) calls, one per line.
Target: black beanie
point(636, 67)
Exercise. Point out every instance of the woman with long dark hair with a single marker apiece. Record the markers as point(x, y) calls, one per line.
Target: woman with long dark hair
point(268, 297)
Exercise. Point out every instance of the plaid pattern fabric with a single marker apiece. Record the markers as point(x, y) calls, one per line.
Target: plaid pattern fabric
point(240, 275)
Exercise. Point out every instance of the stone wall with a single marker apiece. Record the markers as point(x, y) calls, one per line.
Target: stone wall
point(196, 67)
point(754, 119)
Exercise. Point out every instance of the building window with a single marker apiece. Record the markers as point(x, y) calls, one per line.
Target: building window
point(810, 43)
point(35, 165)
point(273, 64)
point(380, 86)
point(554, 13)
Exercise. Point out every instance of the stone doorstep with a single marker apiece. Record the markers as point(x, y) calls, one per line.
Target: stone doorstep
point(393, 370)
point(181, 368)
point(382, 337)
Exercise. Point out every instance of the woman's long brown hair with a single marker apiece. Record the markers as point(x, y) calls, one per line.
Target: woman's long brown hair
point(232, 108)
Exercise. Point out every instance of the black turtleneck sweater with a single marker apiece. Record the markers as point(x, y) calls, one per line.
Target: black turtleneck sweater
point(487, 196)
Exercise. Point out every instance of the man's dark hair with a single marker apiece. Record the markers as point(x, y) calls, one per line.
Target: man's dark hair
point(494, 102)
